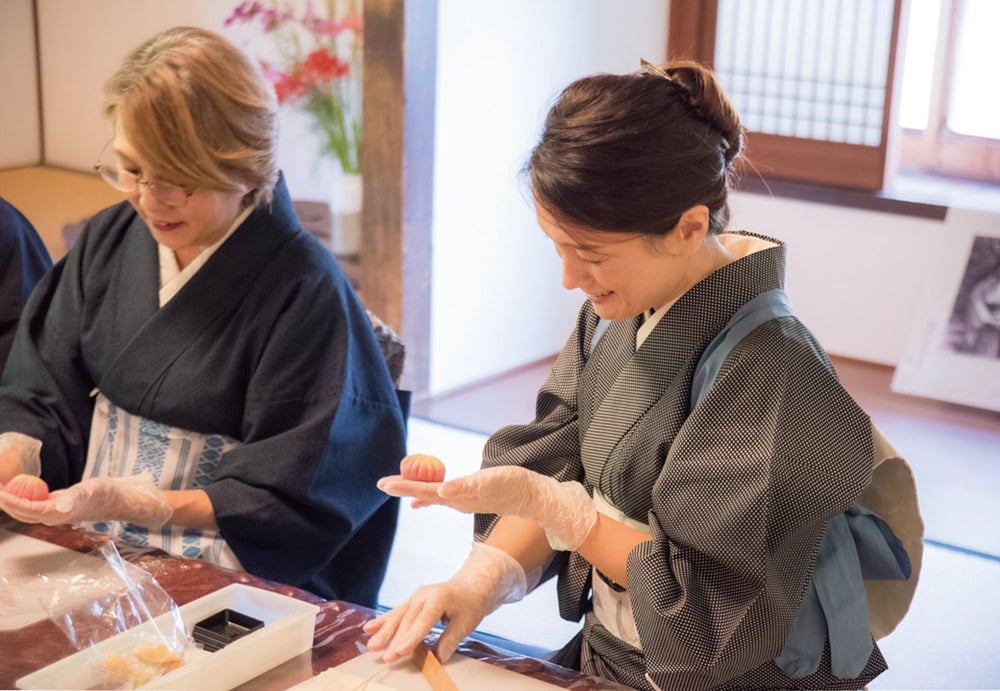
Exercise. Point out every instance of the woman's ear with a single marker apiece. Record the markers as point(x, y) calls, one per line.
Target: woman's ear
point(245, 192)
point(693, 225)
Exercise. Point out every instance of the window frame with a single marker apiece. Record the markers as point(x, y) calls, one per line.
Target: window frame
point(937, 150)
point(691, 34)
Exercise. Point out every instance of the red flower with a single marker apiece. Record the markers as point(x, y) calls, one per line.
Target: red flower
point(289, 88)
point(309, 74)
point(320, 66)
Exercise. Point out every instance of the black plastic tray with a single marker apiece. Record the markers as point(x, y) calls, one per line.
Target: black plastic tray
point(224, 627)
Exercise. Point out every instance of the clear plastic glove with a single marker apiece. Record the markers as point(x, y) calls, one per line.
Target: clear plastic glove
point(19, 453)
point(489, 578)
point(563, 509)
point(134, 499)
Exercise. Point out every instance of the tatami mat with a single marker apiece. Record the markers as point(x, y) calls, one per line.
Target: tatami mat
point(949, 638)
point(51, 198)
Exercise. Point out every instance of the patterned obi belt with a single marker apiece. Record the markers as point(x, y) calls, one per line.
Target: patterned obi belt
point(123, 444)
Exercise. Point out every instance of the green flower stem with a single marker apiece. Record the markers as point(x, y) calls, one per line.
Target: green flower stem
point(331, 118)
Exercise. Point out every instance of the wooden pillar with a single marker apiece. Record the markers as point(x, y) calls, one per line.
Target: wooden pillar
point(397, 160)
point(691, 30)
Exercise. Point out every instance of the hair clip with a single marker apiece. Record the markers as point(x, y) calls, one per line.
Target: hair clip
point(655, 70)
point(725, 144)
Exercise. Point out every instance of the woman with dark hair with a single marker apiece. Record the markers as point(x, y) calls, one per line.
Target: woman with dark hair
point(198, 374)
point(695, 475)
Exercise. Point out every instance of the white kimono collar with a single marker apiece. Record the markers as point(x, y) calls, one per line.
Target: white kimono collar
point(173, 278)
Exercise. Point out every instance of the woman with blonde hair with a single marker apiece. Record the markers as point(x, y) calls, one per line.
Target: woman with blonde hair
point(198, 374)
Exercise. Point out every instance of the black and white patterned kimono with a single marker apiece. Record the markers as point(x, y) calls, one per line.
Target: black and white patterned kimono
point(259, 382)
point(735, 493)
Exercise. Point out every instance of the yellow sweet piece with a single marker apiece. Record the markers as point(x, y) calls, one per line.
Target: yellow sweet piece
point(115, 669)
point(138, 667)
point(158, 655)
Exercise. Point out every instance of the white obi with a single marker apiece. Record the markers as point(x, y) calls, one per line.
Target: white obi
point(122, 444)
point(613, 608)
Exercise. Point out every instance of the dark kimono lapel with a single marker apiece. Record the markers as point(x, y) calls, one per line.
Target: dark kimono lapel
point(620, 396)
point(636, 386)
point(161, 335)
point(609, 357)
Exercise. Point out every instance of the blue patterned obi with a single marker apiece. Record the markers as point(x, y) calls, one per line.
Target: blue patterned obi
point(123, 444)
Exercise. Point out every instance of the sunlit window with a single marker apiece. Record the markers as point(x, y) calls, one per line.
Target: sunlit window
point(918, 69)
point(950, 107)
point(806, 85)
point(975, 99)
point(815, 82)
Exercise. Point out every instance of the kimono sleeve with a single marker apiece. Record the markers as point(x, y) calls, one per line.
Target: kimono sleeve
point(24, 260)
point(738, 511)
point(550, 444)
point(45, 391)
point(322, 424)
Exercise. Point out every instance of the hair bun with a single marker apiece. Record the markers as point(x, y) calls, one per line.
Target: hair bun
point(701, 91)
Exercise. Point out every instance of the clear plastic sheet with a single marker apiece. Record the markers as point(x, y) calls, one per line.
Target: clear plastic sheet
point(29, 449)
point(339, 637)
point(98, 596)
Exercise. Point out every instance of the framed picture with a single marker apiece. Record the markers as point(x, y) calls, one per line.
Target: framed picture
point(953, 353)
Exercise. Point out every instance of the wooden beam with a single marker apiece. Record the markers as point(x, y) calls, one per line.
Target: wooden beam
point(691, 30)
point(400, 61)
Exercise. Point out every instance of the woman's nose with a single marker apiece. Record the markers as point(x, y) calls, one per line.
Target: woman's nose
point(572, 274)
point(146, 199)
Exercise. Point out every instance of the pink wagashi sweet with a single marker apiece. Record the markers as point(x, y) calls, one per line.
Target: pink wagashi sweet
point(421, 467)
point(27, 487)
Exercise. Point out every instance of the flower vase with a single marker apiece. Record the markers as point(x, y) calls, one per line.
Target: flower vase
point(345, 208)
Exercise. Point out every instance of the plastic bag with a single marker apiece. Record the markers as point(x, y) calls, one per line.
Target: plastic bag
point(28, 448)
point(99, 596)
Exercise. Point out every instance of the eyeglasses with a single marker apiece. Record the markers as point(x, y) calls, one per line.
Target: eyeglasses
point(124, 181)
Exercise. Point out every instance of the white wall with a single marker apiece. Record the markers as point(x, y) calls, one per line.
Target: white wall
point(20, 143)
point(497, 301)
point(82, 43)
point(854, 277)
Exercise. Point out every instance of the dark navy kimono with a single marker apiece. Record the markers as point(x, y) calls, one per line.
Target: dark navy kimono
point(267, 344)
point(23, 260)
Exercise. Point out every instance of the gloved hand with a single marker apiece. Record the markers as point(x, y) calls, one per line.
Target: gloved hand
point(134, 499)
point(563, 509)
point(19, 453)
point(489, 578)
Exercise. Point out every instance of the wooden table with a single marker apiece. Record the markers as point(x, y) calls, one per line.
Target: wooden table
point(338, 634)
